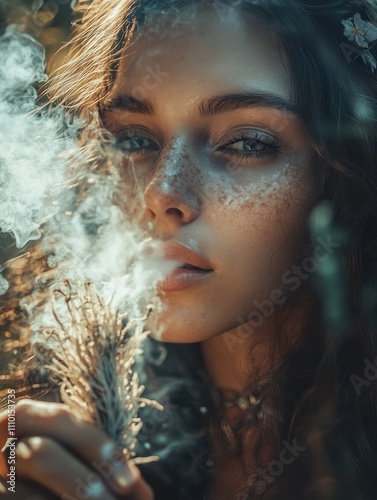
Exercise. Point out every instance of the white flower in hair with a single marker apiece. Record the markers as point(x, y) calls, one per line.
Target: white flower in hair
point(360, 31)
point(370, 31)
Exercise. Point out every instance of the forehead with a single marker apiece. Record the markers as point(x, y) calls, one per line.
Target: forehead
point(202, 54)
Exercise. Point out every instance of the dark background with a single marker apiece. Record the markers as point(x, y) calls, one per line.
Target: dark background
point(49, 21)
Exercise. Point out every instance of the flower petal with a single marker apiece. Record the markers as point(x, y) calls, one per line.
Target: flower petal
point(357, 20)
point(370, 32)
point(349, 29)
point(360, 40)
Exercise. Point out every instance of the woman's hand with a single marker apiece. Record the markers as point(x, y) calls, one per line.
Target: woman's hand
point(58, 455)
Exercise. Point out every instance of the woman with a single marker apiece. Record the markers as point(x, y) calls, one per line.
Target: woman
point(235, 119)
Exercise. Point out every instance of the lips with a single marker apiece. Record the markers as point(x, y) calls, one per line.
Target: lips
point(195, 269)
point(189, 266)
point(190, 260)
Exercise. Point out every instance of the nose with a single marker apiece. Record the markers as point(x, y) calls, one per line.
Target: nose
point(170, 196)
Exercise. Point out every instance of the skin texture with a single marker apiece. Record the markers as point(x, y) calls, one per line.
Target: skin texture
point(60, 454)
point(244, 215)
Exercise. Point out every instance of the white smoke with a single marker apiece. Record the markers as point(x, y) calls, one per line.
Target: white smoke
point(85, 239)
point(29, 144)
point(92, 241)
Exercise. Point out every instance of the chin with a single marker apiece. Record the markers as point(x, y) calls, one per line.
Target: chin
point(169, 330)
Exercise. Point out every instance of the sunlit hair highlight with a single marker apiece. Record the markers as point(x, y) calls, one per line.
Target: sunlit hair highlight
point(338, 103)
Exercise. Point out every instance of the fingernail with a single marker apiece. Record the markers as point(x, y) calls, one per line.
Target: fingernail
point(125, 474)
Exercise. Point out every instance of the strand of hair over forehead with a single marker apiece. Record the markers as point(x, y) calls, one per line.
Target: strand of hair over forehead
point(81, 83)
point(325, 7)
point(102, 29)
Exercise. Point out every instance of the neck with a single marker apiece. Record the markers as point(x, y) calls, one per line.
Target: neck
point(231, 358)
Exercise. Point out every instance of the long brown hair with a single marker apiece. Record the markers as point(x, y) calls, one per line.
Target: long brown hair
point(338, 102)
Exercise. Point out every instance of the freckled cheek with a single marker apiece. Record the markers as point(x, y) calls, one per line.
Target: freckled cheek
point(265, 220)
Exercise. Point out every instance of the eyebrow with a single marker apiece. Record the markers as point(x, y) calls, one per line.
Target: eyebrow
point(130, 104)
point(212, 106)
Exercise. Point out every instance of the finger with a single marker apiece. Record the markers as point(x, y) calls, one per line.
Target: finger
point(31, 417)
point(140, 490)
point(47, 463)
point(3, 464)
point(56, 421)
point(3, 428)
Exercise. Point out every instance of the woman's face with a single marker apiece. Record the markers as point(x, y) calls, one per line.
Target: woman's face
point(219, 158)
